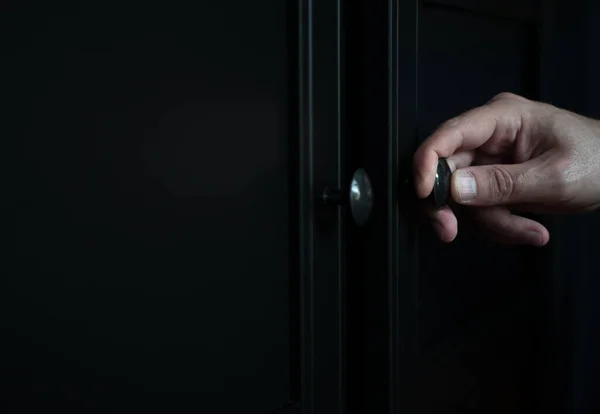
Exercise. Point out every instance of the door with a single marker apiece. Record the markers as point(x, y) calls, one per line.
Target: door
point(448, 328)
point(477, 329)
point(169, 255)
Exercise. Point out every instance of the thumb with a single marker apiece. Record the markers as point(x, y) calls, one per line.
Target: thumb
point(497, 184)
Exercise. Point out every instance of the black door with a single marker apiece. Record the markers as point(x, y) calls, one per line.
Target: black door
point(477, 326)
point(448, 328)
point(168, 253)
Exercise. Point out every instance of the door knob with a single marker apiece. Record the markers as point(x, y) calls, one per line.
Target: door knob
point(439, 197)
point(359, 197)
point(441, 187)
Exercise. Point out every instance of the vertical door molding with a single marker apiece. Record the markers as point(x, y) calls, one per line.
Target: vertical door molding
point(321, 230)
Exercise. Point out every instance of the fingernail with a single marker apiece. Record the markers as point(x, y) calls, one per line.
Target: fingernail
point(465, 184)
point(534, 238)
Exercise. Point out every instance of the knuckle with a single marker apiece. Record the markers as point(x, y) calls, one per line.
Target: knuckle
point(453, 122)
point(504, 95)
point(507, 95)
point(502, 184)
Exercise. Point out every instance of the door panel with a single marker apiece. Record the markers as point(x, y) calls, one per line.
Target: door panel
point(157, 229)
point(474, 315)
point(464, 60)
point(166, 236)
point(456, 328)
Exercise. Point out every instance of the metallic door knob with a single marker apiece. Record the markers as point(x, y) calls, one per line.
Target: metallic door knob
point(359, 197)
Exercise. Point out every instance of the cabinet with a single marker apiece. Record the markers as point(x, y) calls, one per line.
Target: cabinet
point(172, 252)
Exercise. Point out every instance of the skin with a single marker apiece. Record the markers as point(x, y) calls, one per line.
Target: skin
point(524, 157)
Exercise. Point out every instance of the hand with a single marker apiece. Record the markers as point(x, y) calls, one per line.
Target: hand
point(513, 154)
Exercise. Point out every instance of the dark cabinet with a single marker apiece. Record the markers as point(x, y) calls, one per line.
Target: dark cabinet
point(469, 327)
point(173, 252)
point(167, 256)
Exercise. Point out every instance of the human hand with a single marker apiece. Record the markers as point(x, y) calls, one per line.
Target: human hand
point(513, 154)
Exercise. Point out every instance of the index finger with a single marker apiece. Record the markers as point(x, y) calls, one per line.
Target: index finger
point(466, 132)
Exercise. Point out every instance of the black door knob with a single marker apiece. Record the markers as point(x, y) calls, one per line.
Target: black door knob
point(441, 187)
point(359, 196)
point(439, 197)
